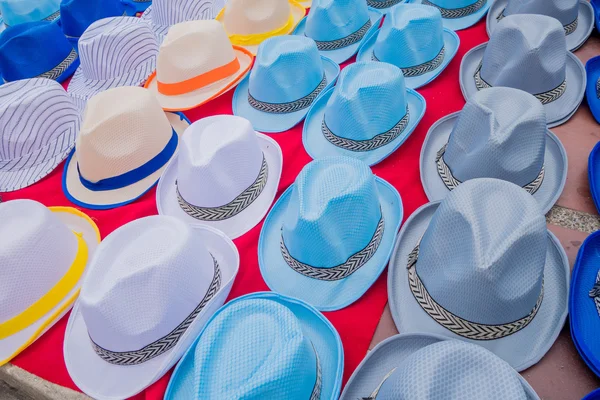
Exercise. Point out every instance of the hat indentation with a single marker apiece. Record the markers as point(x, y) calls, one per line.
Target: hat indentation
point(453, 13)
point(569, 28)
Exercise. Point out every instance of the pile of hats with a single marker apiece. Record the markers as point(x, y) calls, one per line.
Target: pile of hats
point(477, 284)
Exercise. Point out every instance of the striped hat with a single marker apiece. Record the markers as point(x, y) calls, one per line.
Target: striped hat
point(116, 51)
point(39, 125)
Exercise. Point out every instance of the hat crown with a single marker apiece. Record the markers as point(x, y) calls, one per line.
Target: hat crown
point(77, 15)
point(333, 211)
point(37, 250)
point(413, 34)
point(221, 153)
point(486, 267)
point(144, 280)
point(262, 353)
point(248, 17)
point(193, 48)
point(286, 69)
point(171, 12)
point(526, 52)
point(369, 99)
point(16, 12)
point(500, 133)
point(123, 128)
point(453, 366)
point(453, 4)
point(111, 47)
point(566, 11)
point(335, 19)
point(35, 114)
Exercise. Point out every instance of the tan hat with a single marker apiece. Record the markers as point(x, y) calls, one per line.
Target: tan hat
point(249, 22)
point(125, 142)
point(196, 63)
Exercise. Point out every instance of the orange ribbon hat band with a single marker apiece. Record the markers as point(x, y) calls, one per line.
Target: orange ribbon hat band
point(200, 81)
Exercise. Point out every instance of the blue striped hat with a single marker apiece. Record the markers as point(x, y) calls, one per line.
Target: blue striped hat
point(15, 12)
point(39, 125)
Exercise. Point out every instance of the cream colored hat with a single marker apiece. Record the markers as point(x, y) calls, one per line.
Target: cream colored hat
point(123, 146)
point(197, 63)
point(249, 22)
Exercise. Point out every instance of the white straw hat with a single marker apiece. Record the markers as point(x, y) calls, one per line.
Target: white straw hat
point(197, 63)
point(225, 175)
point(151, 287)
point(44, 255)
point(126, 140)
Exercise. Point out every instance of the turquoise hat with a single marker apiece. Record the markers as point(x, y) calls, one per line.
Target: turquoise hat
point(414, 39)
point(15, 12)
point(339, 26)
point(459, 14)
point(367, 115)
point(262, 346)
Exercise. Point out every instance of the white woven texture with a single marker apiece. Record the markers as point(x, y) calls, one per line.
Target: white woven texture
point(247, 17)
point(565, 11)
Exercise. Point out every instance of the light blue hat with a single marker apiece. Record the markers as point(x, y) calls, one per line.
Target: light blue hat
point(429, 367)
point(287, 77)
point(481, 266)
point(367, 115)
point(413, 39)
point(15, 12)
point(339, 26)
point(459, 14)
point(330, 234)
point(262, 346)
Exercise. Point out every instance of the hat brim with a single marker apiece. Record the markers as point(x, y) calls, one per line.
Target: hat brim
point(315, 326)
point(592, 68)
point(271, 122)
point(558, 111)
point(118, 382)
point(326, 295)
point(317, 146)
point(77, 222)
point(457, 24)
point(451, 43)
point(522, 349)
point(387, 356)
point(236, 226)
point(575, 40)
point(77, 193)
point(203, 95)
point(555, 164)
point(343, 54)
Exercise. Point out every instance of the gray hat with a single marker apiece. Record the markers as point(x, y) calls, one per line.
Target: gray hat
point(576, 16)
point(528, 52)
point(404, 367)
point(500, 133)
point(481, 266)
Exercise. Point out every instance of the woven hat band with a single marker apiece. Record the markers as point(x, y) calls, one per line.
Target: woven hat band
point(453, 13)
point(289, 107)
point(345, 41)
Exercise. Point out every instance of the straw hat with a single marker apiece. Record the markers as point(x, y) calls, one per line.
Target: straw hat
point(44, 255)
point(150, 289)
point(125, 142)
point(196, 63)
point(225, 175)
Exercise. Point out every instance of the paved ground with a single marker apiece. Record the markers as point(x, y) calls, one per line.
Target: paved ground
point(18, 384)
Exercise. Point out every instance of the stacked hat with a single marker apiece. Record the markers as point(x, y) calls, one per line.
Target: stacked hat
point(330, 235)
point(528, 52)
point(288, 76)
point(15, 12)
point(592, 90)
point(44, 256)
point(150, 289)
point(367, 115)
point(39, 125)
point(481, 266)
point(459, 14)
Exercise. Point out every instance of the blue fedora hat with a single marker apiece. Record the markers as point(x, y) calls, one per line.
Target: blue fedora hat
point(36, 50)
point(367, 115)
point(595, 395)
point(262, 346)
point(592, 89)
point(288, 75)
point(413, 39)
point(594, 174)
point(459, 14)
point(330, 234)
point(139, 6)
point(339, 26)
point(596, 6)
point(15, 12)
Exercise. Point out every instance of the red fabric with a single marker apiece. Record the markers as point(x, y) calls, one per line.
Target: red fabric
point(356, 324)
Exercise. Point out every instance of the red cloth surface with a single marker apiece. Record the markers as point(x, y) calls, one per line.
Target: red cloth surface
point(356, 324)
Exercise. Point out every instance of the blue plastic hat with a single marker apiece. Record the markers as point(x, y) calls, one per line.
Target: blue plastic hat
point(459, 14)
point(592, 90)
point(414, 39)
point(596, 6)
point(367, 115)
point(339, 26)
point(15, 12)
point(288, 75)
point(594, 174)
point(262, 346)
point(584, 302)
point(36, 50)
point(330, 234)
point(595, 395)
